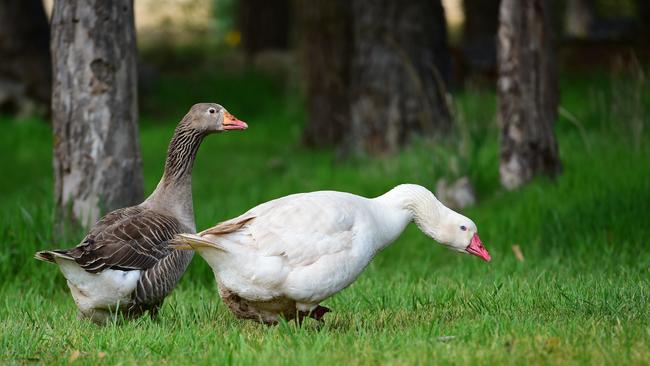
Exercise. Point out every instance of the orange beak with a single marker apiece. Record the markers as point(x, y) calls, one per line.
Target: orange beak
point(231, 122)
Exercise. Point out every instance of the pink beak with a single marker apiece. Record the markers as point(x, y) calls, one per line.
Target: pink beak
point(476, 248)
point(232, 123)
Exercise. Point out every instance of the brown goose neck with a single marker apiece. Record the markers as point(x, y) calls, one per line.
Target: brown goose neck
point(181, 154)
point(173, 195)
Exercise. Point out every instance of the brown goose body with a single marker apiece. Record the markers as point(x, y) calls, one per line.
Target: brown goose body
point(124, 263)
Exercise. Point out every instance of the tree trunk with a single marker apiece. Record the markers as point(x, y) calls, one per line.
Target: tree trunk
point(527, 92)
point(25, 69)
point(400, 63)
point(97, 165)
point(264, 25)
point(325, 46)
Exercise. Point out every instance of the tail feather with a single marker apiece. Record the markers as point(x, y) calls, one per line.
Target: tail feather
point(193, 241)
point(49, 255)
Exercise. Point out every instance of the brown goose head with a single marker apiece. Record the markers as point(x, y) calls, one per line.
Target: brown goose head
point(211, 118)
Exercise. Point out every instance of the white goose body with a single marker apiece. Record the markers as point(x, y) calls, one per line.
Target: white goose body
point(333, 237)
point(283, 257)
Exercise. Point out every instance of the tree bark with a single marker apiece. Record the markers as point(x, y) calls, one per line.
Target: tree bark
point(400, 64)
point(527, 92)
point(25, 70)
point(97, 166)
point(325, 45)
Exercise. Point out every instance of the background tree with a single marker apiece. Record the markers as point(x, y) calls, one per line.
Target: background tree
point(97, 165)
point(325, 44)
point(527, 92)
point(25, 68)
point(264, 25)
point(643, 16)
point(480, 33)
point(400, 62)
point(578, 17)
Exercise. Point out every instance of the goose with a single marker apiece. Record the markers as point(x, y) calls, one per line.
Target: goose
point(283, 257)
point(124, 263)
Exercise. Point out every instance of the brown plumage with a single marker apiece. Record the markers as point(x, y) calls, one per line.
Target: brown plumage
point(124, 262)
point(129, 239)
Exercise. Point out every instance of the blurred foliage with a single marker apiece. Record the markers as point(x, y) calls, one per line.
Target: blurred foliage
point(616, 8)
point(225, 19)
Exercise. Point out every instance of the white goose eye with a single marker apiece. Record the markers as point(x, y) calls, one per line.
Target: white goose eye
point(463, 227)
point(212, 110)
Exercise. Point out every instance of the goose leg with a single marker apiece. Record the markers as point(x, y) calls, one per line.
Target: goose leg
point(319, 312)
point(153, 311)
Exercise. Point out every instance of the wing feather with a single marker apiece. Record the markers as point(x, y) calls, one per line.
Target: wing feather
point(301, 228)
point(133, 238)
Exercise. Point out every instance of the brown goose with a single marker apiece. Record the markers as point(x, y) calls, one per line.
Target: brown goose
point(124, 263)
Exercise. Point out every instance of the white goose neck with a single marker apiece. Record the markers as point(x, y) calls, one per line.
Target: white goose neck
point(424, 208)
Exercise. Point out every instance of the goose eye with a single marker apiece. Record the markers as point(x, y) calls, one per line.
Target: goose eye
point(212, 110)
point(463, 227)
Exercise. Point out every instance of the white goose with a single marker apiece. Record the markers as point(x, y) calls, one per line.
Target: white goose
point(124, 262)
point(283, 257)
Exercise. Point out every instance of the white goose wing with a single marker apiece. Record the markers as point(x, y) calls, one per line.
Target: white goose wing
point(301, 228)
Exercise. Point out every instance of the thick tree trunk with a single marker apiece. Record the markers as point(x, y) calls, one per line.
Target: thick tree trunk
point(480, 34)
point(325, 46)
point(264, 25)
point(25, 66)
point(399, 67)
point(97, 165)
point(527, 92)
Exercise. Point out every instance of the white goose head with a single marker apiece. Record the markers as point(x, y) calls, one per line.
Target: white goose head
point(439, 222)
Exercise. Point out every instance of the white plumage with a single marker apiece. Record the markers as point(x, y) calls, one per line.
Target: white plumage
point(283, 257)
point(95, 294)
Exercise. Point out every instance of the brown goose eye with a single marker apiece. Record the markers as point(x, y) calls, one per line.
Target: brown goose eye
point(212, 110)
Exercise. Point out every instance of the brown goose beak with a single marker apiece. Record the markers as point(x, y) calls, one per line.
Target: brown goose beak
point(231, 122)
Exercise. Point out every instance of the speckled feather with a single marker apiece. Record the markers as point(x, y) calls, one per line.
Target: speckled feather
point(126, 239)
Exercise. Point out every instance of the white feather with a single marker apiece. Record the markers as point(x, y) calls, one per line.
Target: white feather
point(98, 291)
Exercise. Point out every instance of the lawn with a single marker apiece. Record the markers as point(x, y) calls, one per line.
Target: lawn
point(581, 296)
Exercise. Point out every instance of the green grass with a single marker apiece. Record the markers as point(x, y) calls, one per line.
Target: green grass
point(581, 296)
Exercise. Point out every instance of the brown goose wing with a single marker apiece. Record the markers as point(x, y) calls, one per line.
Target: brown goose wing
point(127, 239)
